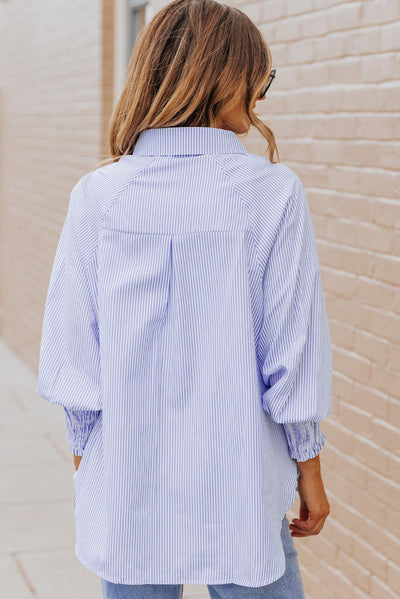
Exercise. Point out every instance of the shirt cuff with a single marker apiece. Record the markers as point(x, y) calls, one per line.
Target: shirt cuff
point(305, 439)
point(79, 424)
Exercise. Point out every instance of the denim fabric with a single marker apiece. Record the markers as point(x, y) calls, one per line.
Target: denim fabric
point(288, 586)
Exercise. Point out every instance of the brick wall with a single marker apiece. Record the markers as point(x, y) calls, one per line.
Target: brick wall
point(334, 107)
point(55, 93)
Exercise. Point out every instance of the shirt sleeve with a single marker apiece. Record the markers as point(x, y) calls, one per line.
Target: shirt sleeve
point(305, 439)
point(69, 362)
point(296, 355)
point(79, 425)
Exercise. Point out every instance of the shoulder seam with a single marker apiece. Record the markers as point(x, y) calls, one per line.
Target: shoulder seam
point(125, 187)
point(295, 179)
point(104, 214)
point(247, 213)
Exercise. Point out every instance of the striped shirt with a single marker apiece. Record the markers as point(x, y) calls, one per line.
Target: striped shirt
point(186, 335)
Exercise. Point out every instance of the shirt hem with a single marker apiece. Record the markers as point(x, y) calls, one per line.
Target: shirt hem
point(201, 581)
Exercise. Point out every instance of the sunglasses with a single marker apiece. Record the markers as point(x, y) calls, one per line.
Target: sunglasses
point(266, 88)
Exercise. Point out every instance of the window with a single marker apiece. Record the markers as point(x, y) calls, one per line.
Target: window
point(130, 17)
point(136, 19)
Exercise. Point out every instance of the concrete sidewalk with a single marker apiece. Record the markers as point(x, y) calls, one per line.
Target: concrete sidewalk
point(37, 528)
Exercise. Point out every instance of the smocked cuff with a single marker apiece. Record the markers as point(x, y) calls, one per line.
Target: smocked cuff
point(305, 439)
point(79, 424)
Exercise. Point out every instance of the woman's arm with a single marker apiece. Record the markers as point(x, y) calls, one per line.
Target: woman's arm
point(305, 440)
point(314, 504)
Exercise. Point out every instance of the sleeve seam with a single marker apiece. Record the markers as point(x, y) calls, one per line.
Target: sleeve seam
point(246, 210)
point(119, 194)
point(256, 249)
point(255, 246)
point(103, 217)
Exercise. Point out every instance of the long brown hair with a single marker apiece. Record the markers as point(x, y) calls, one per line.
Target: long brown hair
point(193, 61)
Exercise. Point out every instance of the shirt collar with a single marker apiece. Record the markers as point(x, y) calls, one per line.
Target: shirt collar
point(187, 140)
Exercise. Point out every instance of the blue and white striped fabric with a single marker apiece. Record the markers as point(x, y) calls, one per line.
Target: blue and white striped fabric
point(185, 315)
point(305, 438)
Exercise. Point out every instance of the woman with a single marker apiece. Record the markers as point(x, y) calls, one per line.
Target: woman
point(185, 330)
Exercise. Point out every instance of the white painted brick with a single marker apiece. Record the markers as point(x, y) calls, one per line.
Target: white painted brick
point(334, 108)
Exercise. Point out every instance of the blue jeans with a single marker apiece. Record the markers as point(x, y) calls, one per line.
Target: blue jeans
point(288, 586)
